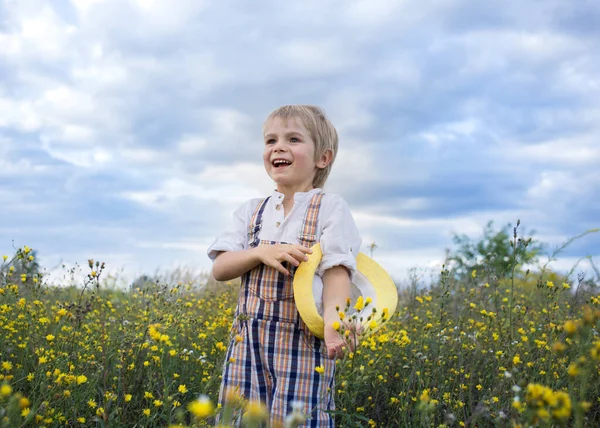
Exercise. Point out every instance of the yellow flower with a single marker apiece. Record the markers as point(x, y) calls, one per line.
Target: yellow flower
point(570, 327)
point(7, 365)
point(25, 412)
point(549, 284)
point(336, 325)
point(146, 412)
point(50, 338)
point(360, 304)
point(158, 403)
point(585, 405)
point(202, 407)
point(182, 388)
point(24, 402)
point(256, 411)
point(543, 414)
point(563, 410)
point(92, 404)
point(573, 370)
point(517, 405)
point(372, 324)
point(81, 379)
point(5, 390)
point(474, 273)
point(81, 420)
point(320, 369)
point(128, 398)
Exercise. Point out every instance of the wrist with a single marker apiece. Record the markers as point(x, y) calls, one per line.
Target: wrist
point(256, 254)
point(330, 316)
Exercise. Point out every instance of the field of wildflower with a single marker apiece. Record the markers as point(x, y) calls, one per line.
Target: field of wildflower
point(485, 342)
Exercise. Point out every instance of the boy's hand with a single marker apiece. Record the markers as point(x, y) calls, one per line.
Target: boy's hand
point(275, 255)
point(336, 344)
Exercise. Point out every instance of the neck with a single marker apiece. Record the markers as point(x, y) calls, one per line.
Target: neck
point(290, 191)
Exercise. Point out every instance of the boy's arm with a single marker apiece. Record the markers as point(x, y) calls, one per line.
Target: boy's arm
point(231, 264)
point(336, 289)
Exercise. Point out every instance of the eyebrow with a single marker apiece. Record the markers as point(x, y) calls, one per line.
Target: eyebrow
point(287, 134)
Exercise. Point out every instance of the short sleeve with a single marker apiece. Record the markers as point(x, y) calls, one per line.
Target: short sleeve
point(340, 240)
point(235, 237)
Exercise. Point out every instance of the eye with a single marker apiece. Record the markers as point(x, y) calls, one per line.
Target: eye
point(294, 140)
point(270, 141)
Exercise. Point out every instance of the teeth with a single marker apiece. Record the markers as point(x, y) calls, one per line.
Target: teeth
point(280, 162)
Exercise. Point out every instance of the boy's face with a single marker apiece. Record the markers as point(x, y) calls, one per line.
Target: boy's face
point(290, 141)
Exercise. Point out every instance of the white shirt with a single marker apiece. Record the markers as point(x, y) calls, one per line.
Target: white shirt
point(336, 231)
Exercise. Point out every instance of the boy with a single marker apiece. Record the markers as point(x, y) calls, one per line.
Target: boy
point(274, 356)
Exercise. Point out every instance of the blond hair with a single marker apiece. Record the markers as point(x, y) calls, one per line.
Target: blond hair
point(321, 131)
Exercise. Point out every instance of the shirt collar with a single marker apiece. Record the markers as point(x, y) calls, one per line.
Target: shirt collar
point(298, 196)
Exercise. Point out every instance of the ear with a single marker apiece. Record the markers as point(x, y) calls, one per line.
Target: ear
point(325, 159)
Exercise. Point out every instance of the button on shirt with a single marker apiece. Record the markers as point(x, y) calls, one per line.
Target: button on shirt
point(336, 231)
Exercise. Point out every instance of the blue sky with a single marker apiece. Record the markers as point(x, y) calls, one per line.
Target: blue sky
point(131, 130)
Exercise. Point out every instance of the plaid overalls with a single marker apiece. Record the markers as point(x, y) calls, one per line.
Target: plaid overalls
point(276, 359)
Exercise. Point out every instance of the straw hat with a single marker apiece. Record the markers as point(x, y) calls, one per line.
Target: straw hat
point(370, 281)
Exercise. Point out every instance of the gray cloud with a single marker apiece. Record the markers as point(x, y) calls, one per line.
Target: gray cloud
point(140, 122)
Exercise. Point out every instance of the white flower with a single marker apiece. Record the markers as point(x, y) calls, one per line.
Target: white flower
point(297, 416)
point(297, 405)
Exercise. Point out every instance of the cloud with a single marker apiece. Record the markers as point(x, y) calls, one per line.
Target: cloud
point(137, 124)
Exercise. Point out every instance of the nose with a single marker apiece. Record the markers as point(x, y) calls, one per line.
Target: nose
point(278, 147)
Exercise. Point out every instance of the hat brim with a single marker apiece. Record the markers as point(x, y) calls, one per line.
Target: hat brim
point(383, 289)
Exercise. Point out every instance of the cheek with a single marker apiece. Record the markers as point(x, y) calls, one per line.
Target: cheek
point(303, 158)
point(266, 157)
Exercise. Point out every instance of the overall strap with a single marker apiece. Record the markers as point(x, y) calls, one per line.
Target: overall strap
point(256, 223)
point(308, 234)
point(253, 229)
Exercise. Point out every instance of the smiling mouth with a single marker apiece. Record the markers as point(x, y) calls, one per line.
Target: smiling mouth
point(281, 164)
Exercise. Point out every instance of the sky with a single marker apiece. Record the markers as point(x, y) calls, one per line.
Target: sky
point(131, 130)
